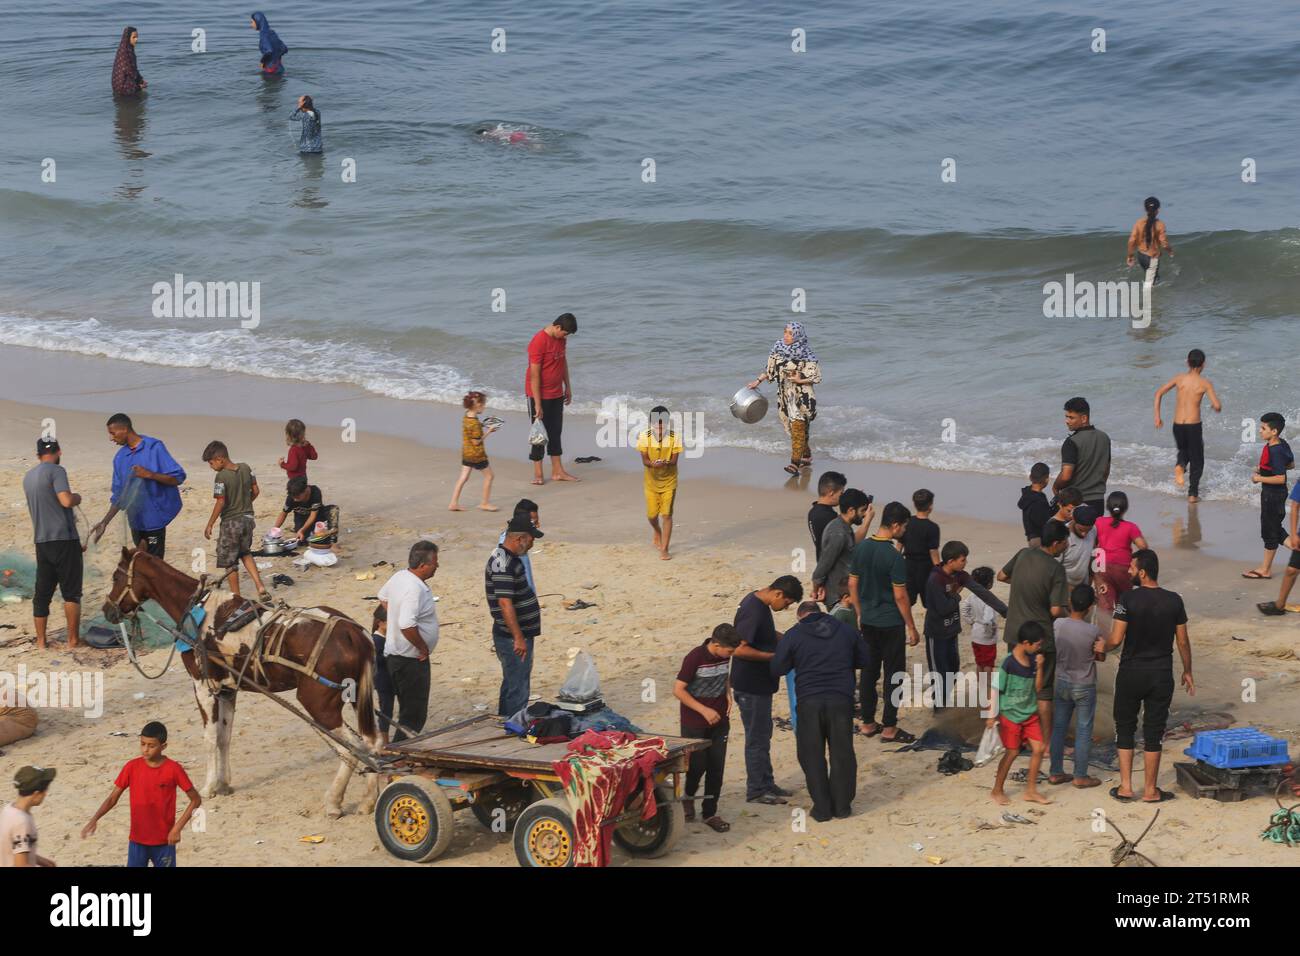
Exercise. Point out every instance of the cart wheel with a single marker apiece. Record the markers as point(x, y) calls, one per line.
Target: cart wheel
point(513, 798)
point(544, 834)
point(657, 836)
point(413, 817)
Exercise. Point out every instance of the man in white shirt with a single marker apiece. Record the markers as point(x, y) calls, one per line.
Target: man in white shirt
point(411, 636)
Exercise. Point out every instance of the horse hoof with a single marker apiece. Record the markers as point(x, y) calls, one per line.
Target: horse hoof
point(333, 813)
point(366, 809)
point(224, 790)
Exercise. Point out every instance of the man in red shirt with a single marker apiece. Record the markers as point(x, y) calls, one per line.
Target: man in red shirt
point(548, 390)
point(153, 781)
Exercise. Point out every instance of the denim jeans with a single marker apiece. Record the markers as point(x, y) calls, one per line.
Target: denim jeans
point(794, 704)
point(139, 854)
point(516, 675)
point(1080, 700)
point(756, 715)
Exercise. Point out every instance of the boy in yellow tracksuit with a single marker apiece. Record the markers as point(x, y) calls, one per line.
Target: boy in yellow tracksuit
point(660, 449)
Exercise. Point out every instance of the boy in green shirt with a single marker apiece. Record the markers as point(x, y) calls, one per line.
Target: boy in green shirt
point(1014, 702)
point(234, 490)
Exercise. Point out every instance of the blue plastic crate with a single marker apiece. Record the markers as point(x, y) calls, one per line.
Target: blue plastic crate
point(1238, 747)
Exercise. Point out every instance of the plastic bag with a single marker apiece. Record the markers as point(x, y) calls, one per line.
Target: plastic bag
point(537, 434)
point(583, 683)
point(989, 748)
point(318, 556)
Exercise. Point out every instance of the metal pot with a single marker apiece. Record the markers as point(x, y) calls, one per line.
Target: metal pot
point(749, 405)
point(273, 546)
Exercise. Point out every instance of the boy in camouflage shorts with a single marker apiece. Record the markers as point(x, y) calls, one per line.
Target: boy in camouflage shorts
point(235, 489)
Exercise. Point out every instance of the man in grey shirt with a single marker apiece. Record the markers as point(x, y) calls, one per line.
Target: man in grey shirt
point(1080, 545)
point(831, 576)
point(1085, 456)
point(58, 546)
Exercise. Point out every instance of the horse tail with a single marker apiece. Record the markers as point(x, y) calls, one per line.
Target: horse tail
point(365, 702)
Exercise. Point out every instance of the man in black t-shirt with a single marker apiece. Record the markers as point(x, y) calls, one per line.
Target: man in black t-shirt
point(824, 510)
point(752, 682)
point(1148, 621)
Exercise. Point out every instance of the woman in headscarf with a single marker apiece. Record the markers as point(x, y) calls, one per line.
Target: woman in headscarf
point(127, 80)
point(271, 45)
point(793, 366)
point(309, 116)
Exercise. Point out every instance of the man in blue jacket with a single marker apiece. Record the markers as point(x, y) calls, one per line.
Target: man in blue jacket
point(146, 485)
point(824, 652)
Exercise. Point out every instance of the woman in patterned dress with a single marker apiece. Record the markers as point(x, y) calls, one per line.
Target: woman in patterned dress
point(793, 366)
point(127, 80)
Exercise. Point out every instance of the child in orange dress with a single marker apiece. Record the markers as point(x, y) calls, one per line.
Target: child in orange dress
point(473, 456)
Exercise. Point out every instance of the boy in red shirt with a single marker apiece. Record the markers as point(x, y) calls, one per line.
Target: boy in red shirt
point(546, 385)
point(153, 781)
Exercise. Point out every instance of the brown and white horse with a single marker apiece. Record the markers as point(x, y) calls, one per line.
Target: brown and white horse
point(345, 657)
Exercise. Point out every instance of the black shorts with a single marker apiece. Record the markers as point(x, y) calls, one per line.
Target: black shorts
point(57, 563)
point(476, 465)
point(154, 542)
point(1295, 560)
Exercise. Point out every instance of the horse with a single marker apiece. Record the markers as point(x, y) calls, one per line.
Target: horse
point(316, 652)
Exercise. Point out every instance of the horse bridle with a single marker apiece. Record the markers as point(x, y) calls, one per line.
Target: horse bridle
point(128, 589)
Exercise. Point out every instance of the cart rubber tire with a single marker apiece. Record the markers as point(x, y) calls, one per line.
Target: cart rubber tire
point(544, 835)
point(513, 798)
point(414, 819)
point(653, 838)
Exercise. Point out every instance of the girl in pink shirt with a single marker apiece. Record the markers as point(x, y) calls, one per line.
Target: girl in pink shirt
point(300, 449)
point(1116, 538)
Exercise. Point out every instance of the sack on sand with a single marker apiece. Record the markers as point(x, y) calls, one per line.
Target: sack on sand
point(989, 748)
point(537, 434)
point(16, 723)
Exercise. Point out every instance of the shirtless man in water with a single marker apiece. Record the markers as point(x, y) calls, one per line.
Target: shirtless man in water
point(1192, 387)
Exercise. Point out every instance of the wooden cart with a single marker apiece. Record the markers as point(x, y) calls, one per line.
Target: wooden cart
point(509, 785)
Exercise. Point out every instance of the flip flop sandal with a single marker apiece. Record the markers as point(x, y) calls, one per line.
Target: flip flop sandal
point(1165, 796)
point(586, 460)
point(1270, 608)
point(1254, 575)
point(792, 469)
point(717, 824)
point(900, 737)
point(1114, 792)
point(871, 733)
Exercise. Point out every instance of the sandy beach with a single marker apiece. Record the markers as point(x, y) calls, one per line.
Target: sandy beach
point(730, 538)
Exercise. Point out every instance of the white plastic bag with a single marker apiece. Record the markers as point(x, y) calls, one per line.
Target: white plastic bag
point(990, 747)
point(537, 434)
point(323, 558)
point(583, 683)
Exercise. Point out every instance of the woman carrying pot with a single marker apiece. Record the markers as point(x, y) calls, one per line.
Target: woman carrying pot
point(792, 365)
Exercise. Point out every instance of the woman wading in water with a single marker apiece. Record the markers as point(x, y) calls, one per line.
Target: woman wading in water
point(306, 113)
point(792, 365)
point(1147, 239)
point(127, 80)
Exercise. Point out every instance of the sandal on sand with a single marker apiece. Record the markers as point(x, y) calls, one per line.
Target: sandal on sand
point(1114, 792)
point(900, 737)
point(1254, 575)
point(872, 733)
point(1165, 796)
point(717, 824)
point(1270, 608)
point(1057, 779)
point(792, 469)
point(1083, 783)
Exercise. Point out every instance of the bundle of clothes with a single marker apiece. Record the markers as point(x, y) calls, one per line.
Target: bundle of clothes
point(545, 723)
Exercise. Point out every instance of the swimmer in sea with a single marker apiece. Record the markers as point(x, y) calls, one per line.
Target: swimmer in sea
point(1147, 239)
point(500, 135)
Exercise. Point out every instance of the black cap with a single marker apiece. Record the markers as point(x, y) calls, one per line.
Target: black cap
point(520, 524)
point(46, 446)
point(1085, 515)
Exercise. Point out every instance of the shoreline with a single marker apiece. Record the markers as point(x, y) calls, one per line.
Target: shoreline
point(1220, 529)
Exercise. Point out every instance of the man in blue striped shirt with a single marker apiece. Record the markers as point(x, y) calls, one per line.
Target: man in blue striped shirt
point(146, 485)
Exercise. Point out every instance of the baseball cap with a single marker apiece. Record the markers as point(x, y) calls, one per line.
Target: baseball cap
point(1085, 515)
point(521, 524)
point(34, 778)
point(46, 446)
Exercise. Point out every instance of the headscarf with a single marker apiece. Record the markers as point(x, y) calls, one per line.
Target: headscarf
point(126, 77)
point(269, 41)
point(797, 351)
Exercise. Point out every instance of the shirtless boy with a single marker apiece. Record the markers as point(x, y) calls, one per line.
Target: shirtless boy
point(1192, 387)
